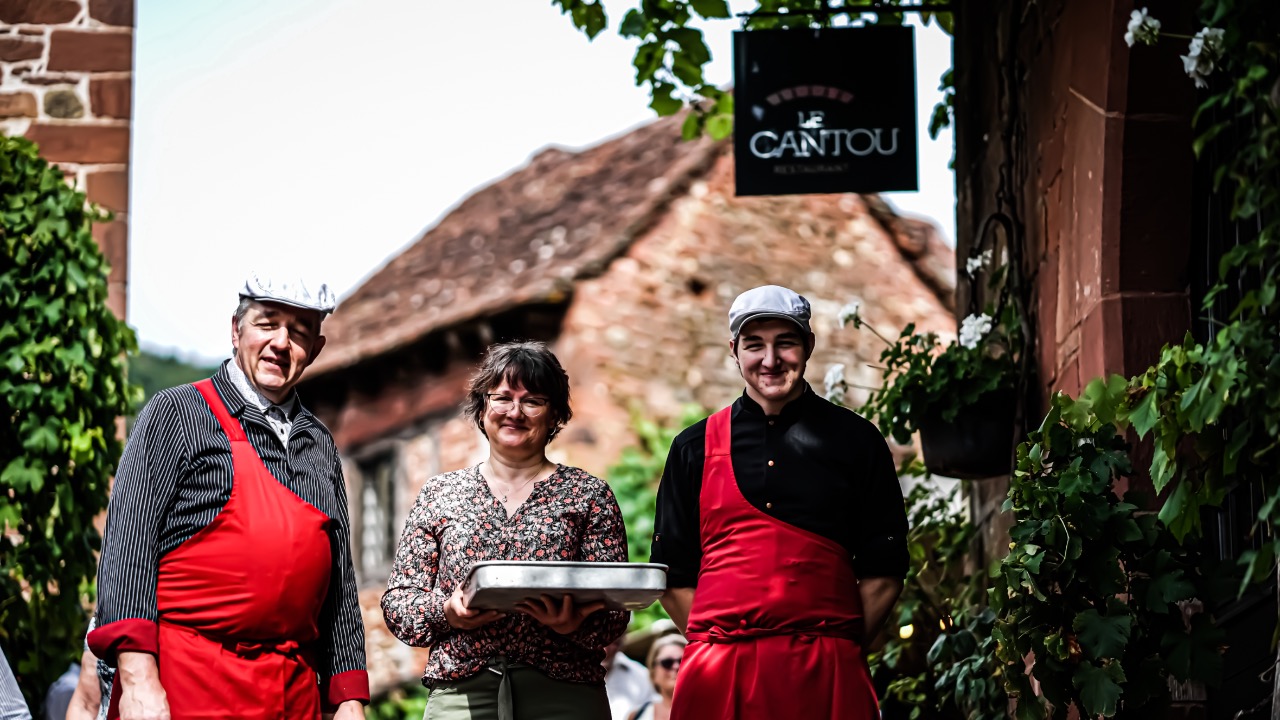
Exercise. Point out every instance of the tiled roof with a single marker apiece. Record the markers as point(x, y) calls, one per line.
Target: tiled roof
point(523, 239)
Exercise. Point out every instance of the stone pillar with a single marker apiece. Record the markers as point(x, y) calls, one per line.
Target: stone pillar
point(66, 73)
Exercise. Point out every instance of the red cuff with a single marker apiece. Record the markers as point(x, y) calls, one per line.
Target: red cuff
point(128, 635)
point(350, 685)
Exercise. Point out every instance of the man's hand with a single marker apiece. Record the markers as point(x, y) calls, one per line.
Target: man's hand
point(142, 697)
point(677, 602)
point(564, 617)
point(87, 697)
point(463, 618)
point(349, 710)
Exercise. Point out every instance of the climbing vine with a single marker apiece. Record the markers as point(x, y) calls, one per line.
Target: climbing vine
point(62, 389)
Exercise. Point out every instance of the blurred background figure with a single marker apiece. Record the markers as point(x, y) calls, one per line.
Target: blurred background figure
point(626, 681)
point(664, 664)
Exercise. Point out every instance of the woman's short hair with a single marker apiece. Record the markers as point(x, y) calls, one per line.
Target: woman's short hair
point(528, 364)
point(651, 659)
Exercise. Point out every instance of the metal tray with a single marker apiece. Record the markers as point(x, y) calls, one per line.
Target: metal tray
point(500, 584)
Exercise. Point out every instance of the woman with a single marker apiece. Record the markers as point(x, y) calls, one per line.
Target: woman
point(545, 660)
point(664, 663)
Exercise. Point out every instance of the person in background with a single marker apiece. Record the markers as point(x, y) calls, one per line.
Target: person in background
point(782, 522)
point(544, 661)
point(226, 586)
point(12, 705)
point(626, 681)
point(58, 697)
point(665, 655)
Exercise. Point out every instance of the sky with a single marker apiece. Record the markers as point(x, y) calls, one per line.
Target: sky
point(321, 137)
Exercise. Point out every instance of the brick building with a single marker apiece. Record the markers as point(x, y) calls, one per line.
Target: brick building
point(66, 75)
point(624, 257)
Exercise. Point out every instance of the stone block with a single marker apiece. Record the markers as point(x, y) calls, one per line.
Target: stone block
point(89, 51)
point(17, 48)
point(111, 97)
point(38, 12)
point(63, 104)
point(18, 105)
point(113, 240)
point(110, 189)
point(85, 144)
point(112, 12)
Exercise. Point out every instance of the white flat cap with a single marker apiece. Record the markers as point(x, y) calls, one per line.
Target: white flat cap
point(768, 301)
point(289, 291)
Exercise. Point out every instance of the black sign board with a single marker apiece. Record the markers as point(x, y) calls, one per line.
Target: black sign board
point(825, 111)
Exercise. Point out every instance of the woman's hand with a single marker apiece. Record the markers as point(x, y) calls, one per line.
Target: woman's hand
point(564, 617)
point(461, 617)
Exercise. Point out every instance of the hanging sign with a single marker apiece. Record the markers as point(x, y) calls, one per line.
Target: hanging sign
point(824, 111)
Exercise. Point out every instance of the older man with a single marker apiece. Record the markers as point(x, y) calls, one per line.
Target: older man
point(782, 521)
point(225, 587)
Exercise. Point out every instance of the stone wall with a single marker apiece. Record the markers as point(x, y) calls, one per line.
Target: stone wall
point(66, 70)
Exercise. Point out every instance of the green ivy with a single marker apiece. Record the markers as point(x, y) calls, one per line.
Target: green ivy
point(1091, 587)
point(947, 665)
point(62, 389)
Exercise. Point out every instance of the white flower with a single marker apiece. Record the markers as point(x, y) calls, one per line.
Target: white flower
point(850, 314)
point(1142, 28)
point(973, 329)
point(1202, 55)
point(834, 382)
point(981, 262)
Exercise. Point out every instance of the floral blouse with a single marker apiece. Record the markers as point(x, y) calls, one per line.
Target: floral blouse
point(457, 522)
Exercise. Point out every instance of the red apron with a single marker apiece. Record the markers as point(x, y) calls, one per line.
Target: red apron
point(240, 601)
point(776, 623)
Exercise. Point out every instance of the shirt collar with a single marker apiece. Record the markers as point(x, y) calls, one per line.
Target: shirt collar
point(790, 411)
point(251, 395)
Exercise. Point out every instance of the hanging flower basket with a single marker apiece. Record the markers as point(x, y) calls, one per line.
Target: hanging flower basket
point(978, 443)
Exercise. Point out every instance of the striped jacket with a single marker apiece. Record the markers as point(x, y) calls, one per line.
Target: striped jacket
point(174, 479)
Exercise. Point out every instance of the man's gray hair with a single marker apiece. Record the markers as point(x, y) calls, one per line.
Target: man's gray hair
point(241, 310)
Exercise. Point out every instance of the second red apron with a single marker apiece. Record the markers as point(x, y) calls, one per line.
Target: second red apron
point(240, 601)
point(776, 625)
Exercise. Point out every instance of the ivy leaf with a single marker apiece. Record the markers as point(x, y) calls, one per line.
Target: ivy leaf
point(663, 103)
point(23, 477)
point(1099, 687)
point(1102, 636)
point(711, 8)
point(1168, 586)
point(1143, 416)
point(633, 25)
point(720, 126)
point(1195, 654)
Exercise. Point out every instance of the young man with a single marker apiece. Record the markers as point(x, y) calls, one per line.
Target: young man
point(782, 522)
point(226, 587)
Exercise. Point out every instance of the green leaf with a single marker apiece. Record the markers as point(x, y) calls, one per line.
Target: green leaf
point(663, 103)
point(720, 126)
point(1102, 636)
point(710, 8)
point(1099, 687)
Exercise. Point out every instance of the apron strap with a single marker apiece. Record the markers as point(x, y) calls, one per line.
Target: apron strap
point(506, 702)
point(230, 426)
point(719, 440)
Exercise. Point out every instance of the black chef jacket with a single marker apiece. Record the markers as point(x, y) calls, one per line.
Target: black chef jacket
point(816, 465)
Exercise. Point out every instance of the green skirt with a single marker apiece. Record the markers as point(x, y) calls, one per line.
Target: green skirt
point(515, 692)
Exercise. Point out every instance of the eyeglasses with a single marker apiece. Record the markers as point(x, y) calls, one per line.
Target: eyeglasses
point(529, 406)
point(669, 663)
